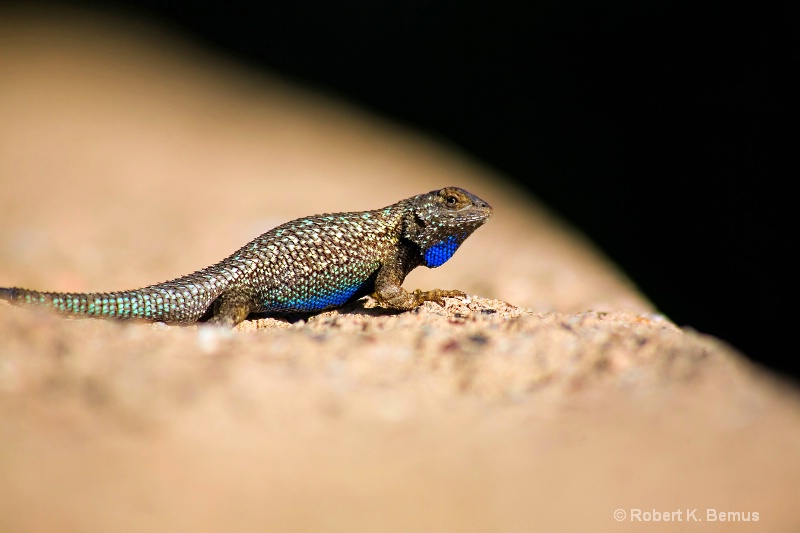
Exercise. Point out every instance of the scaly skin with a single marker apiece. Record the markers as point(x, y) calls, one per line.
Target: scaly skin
point(306, 265)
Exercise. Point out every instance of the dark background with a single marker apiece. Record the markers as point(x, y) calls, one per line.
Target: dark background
point(661, 129)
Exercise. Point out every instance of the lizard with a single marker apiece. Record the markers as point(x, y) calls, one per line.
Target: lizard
point(308, 265)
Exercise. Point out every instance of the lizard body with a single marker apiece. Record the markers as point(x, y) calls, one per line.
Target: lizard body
point(306, 265)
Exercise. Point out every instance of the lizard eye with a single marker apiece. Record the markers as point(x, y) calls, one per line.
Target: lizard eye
point(451, 200)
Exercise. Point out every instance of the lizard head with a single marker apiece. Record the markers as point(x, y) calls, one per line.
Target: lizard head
point(442, 220)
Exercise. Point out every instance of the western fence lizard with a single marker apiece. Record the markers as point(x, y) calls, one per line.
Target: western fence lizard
point(304, 266)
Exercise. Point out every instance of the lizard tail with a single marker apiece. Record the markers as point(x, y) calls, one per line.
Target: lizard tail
point(7, 294)
point(157, 303)
point(117, 305)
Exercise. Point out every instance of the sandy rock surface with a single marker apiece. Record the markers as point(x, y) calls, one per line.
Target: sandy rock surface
point(553, 398)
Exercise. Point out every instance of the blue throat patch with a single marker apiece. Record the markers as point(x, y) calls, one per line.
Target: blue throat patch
point(438, 254)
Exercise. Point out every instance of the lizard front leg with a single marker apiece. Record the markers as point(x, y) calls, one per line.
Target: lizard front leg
point(390, 294)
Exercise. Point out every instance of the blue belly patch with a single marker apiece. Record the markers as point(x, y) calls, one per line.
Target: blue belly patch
point(314, 302)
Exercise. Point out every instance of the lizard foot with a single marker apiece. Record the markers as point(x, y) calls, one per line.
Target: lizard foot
point(436, 296)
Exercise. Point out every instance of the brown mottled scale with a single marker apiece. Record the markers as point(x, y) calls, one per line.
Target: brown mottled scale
point(306, 265)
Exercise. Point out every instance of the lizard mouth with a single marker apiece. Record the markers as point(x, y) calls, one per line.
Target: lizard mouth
point(478, 214)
